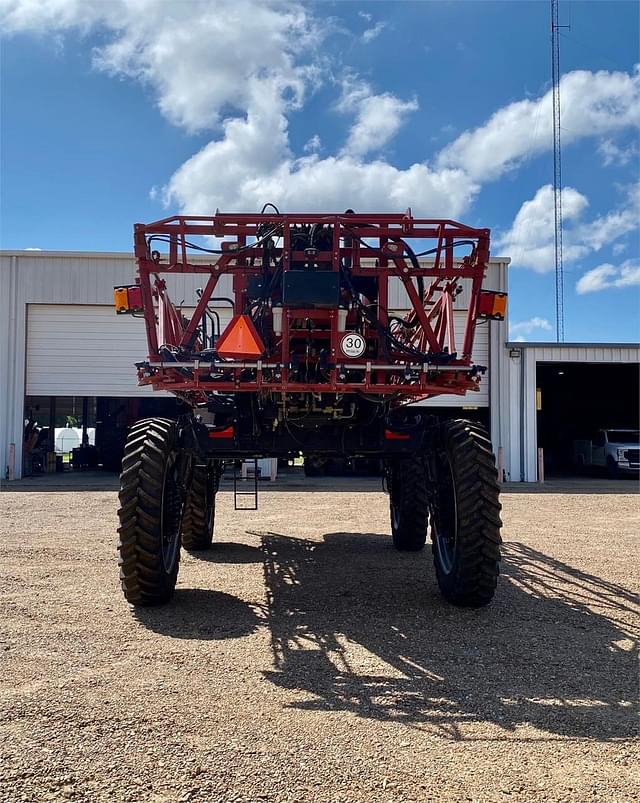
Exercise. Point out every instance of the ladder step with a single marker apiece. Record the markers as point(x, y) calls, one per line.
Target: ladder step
point(253, 493)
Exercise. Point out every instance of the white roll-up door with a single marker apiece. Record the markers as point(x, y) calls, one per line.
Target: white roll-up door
point(83, 350)
point(86, 350)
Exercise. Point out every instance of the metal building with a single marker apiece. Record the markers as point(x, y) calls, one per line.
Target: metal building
point(558, 392)
point(64, 351)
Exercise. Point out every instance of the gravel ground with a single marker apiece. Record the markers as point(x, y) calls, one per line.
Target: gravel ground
point(304, 660)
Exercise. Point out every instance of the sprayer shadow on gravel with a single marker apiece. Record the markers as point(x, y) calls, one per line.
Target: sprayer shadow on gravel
point(229, 552)
point(196, 613)
point(538, 655)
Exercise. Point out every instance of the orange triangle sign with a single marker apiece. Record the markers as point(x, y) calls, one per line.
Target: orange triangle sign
point(240, 339)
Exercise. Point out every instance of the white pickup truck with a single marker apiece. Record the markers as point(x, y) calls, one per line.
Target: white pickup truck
point(617, 450)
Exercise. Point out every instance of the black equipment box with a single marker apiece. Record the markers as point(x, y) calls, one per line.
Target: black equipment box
point(254, 287)
point(304, 289)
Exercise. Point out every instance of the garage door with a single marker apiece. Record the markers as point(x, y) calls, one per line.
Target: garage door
point(90, 351)
point(84, 351)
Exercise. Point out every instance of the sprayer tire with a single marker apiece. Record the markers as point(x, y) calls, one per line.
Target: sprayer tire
point(150, 513)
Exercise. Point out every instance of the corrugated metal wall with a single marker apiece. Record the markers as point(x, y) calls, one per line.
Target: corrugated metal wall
point(82, 351)
point(90, 279)
point(70, 323)
point(583, 353)
point(480, 357)
point(69, 278)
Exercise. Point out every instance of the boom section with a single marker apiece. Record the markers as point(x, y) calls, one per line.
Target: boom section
point(318, 304)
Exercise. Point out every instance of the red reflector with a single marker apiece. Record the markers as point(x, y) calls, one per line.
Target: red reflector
point(135, 297)
point(222, 433)
point(240, 339)
point(396, 436)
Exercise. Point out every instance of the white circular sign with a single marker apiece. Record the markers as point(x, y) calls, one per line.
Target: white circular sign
point(353, 345)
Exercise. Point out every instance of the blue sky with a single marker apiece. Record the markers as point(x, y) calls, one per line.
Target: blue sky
point(112, 115)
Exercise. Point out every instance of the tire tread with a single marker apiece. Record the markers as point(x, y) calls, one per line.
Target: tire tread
point(409, 495)
point(196, 534)
point(474, 576)
point(142, 576)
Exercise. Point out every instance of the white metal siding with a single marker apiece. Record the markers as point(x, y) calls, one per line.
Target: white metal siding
point(584, 354)
point(90, 279)
point(398, 298)
point(480, 357)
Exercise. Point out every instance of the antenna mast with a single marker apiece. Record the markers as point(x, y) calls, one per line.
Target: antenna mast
point(557, 171)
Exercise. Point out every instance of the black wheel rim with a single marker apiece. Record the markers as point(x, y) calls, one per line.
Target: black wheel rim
point(171, 514)
point(444, 515)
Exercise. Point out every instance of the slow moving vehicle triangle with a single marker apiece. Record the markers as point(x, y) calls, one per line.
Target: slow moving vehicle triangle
point(240, 339)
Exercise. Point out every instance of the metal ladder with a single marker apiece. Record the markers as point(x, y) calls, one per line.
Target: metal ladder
point(253, 492)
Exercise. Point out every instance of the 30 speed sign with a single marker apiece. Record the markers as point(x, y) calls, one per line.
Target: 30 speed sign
point(353, 345)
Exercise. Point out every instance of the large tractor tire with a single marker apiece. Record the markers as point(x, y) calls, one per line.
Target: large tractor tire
point(200, 509)
point(465, 515)
point(409, 504)
point(151, 497)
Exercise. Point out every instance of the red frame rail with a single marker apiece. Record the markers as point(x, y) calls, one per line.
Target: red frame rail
point(372, 245)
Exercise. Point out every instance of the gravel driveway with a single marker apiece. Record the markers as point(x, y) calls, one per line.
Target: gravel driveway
point(303, 659)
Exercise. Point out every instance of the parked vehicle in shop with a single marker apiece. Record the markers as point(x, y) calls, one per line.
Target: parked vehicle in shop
point(616, 450)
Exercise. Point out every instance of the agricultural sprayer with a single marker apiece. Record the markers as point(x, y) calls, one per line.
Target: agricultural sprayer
point(315, 361)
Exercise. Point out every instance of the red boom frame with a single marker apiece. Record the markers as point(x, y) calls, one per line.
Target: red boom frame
point(373, 245)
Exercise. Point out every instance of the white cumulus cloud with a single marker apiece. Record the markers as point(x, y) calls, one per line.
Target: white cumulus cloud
point(372, 33)
point(606, 276)
point(531, 239)
point(529, 326)
point(593, 103)
point(313, 144)
point(332, 183)
point(378, 117)
point(613, 154)
point(241, 68)
point(520, 330)
point(199, 57)
point(614, 224)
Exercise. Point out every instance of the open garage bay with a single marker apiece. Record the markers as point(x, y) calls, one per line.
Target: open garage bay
point(303, 659)
point(576, 400)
